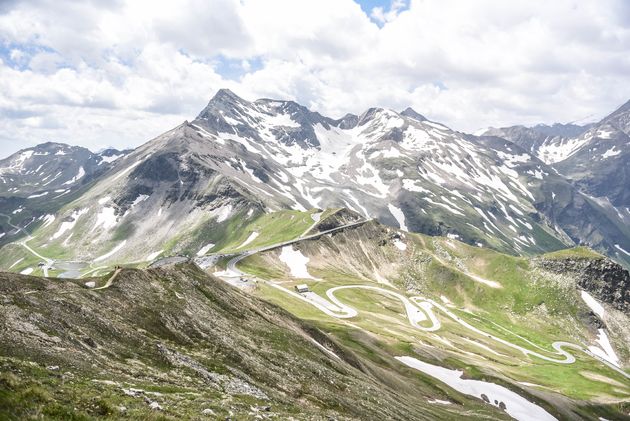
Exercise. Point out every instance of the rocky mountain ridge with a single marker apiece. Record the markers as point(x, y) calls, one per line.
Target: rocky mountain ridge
point(240, 158)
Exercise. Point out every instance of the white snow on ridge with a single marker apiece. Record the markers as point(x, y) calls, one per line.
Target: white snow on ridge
point(515, 405)
point(68, 225)
point(283, 120)
point(223, 213)
point(205, 249)
point(141, 198)
point(108, 159)
point(399, 215)
point(617, 246)
point(205, 133)
point(411, 185)
point(251, 238)
point(106, 218)
point(296, 262)
point(104, 200)
point(551, 153)
point(33, 196)
point(400, 245)
point(593, 304)
point(126, 170)
point(153, 256)
point(48, 219)
point(606, 351)
point(510, 160)
point(77, 177)
point(386, 153)
point(369, 176)
point(610, 152)
point(604, 134)
point(27, 271)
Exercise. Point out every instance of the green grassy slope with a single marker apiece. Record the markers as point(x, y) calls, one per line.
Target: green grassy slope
point(531, 308)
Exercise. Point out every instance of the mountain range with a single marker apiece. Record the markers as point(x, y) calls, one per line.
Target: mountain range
point(263, 261)
point(517, 190)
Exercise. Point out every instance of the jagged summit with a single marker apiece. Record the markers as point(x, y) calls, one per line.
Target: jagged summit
point(620, 118)
point(225, 94)
point(224, 101)
point(399, 168)
point(622, 109)
point(411, 113)
point(289, 121)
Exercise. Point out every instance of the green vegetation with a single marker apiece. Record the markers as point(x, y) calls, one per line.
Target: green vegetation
point(576, 252)
point(530, 309)
point(272, 228)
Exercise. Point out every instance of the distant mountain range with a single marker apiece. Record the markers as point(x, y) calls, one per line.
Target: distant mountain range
point(517, 190)
point(263, 261)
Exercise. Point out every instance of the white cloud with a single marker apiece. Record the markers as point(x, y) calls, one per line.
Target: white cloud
point(380, 15)
point(100, 73)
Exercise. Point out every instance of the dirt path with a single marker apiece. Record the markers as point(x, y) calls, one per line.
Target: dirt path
point(109, 281)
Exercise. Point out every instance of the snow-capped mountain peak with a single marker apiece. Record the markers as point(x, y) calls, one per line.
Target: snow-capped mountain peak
point(248, 156)
point(411, 113)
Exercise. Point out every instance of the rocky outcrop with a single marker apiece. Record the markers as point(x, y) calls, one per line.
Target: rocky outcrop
point(601, 277)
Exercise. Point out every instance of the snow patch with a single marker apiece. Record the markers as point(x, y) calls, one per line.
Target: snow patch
point(33, 196)
point(223, 213)
point(68, 225)
point(515, 405)
point(296, 262)
point(77, 177)
point(27, 271)
point(283, 120)
point(153, 256)
point(251, 238)
point(106, 218)
point(610, 152)
point(593, 304)
point(399, 215)
point(439, 401)
point(412, 186)
point(205, 249)
point(108, 159)
point(605, 349)
point(400, 245)
point(48, 219)
point(618, 247)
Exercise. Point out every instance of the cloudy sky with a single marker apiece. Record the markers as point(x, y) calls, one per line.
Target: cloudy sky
point(118, 72)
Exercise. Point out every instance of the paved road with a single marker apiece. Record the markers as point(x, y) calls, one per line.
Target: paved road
point(24, 244)
point(231, 265)
point(418, 308)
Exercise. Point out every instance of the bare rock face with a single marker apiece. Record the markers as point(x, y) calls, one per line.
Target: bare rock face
point(601, 277)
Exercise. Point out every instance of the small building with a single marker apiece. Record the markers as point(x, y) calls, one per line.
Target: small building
point(301, 288)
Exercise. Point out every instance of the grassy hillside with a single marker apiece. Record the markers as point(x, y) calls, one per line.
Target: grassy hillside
point(525, 305)
point(189, 343)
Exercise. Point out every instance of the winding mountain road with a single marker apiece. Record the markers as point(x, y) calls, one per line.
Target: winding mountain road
point(24, 244)
point(418, 310)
